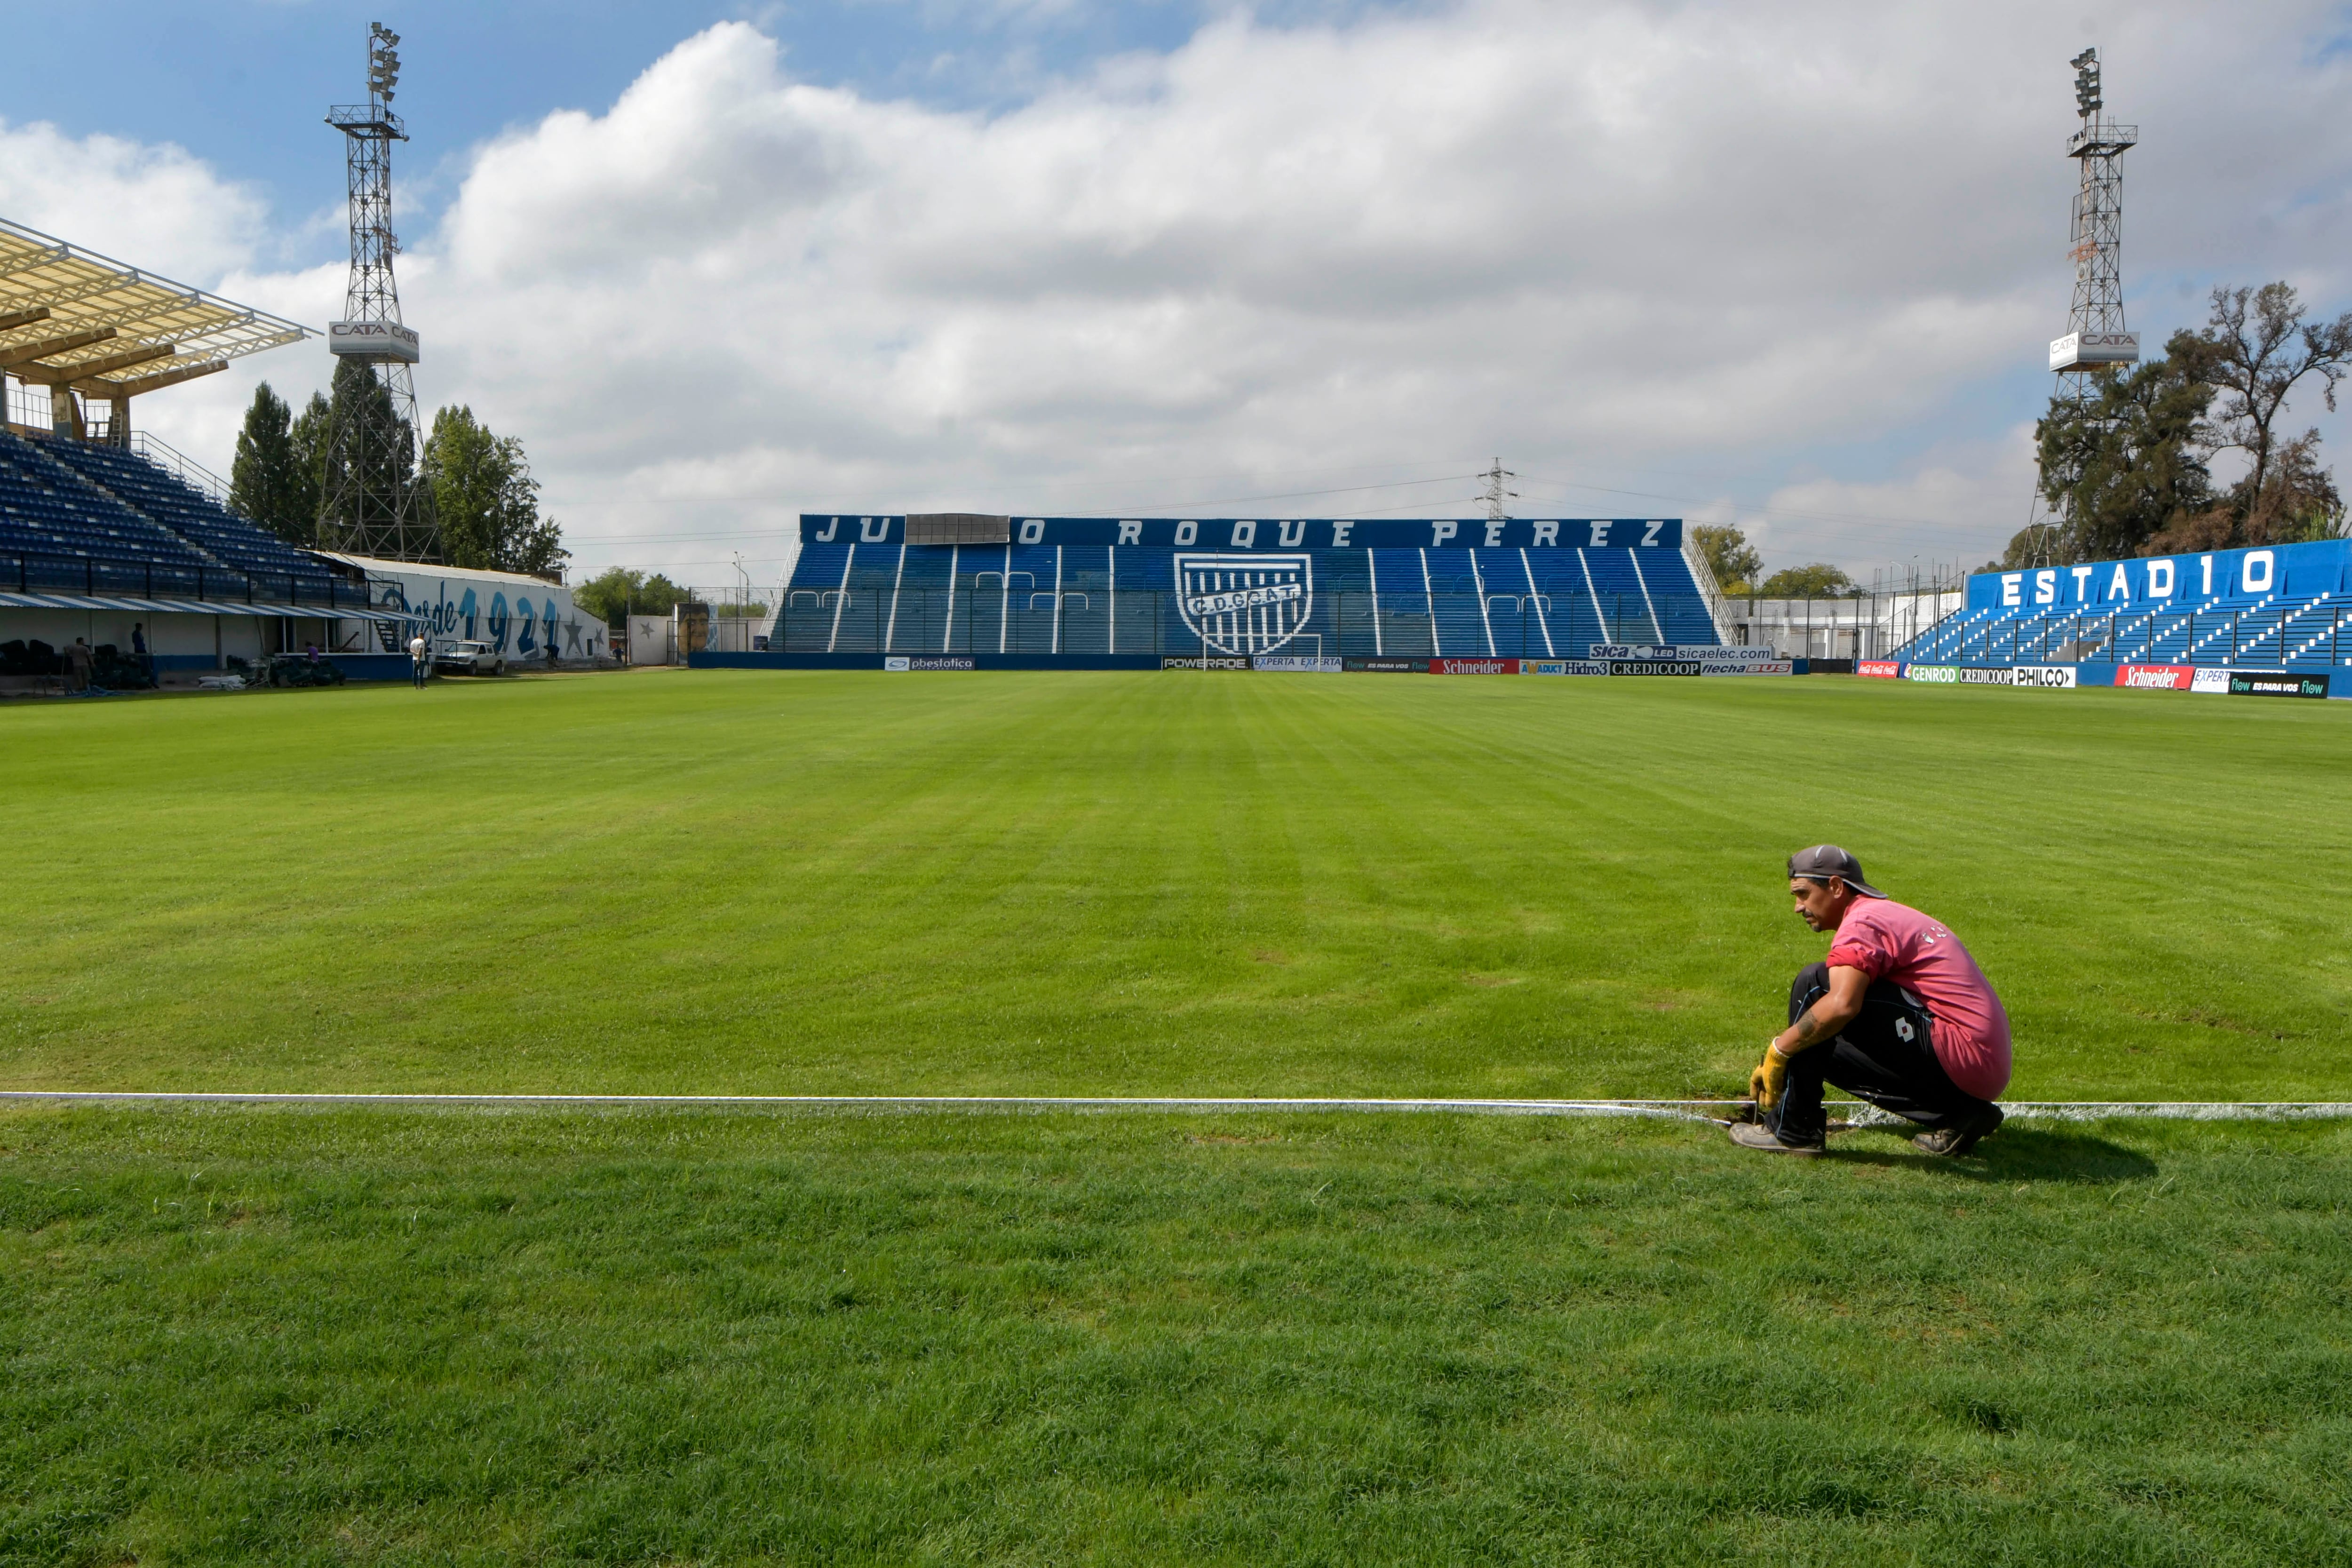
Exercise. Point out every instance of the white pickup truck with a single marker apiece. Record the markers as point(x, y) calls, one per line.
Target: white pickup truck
point(469, 658)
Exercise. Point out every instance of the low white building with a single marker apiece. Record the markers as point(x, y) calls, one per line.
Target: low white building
point(519, 616)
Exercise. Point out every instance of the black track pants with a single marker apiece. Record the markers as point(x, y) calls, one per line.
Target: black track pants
point(1884, 1056)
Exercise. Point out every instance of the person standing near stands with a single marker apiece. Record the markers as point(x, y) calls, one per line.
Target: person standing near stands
point(138, 651)
point(419, 655)
point(79, 662)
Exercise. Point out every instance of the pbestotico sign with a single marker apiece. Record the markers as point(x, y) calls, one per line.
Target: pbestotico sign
point(372, 339)
point(900, 663)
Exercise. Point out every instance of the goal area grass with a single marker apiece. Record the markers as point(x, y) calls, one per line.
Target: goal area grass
point(411, 1336)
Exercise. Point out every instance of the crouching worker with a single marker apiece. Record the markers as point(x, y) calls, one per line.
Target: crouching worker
point(1898, 1014)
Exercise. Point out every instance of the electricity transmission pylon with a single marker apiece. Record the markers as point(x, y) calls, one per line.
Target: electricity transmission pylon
point(1495, 495)
point(373, 502)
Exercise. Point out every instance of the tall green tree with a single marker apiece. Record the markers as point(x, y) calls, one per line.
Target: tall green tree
point(486, 500)
point(2126, 467)
point(1727, 554)
point(376, 453)
point(269, 481)
point(1818, 581)
point(618, 592)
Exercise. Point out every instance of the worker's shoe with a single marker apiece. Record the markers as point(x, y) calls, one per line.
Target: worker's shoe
point(1961, 1136)
point(1756, 1135)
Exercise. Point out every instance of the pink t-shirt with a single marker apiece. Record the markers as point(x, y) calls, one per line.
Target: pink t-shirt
point(1888, 940)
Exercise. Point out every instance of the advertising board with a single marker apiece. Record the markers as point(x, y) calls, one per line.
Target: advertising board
point(900, 663)
point(1214, 661)
point(2055, 677)
point(1385, 666)
point(2002, 676)
point(1295, 664)
point(2077, 349)
point(2210, 680)
point(2155, 676)
point(1880, 669)
point(1933, 673)
point(1725, 653)
point(1563, 666)
point(1746, 666)
point(372, 339)
point(2275, 683)
point(1655, 667)
point(1473, 666)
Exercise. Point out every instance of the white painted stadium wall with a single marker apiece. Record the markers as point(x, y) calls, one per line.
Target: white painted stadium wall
point(516, 615)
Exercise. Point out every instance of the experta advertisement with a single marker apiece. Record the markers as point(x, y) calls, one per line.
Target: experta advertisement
point(1473, 666)
point(1880, 669)
point(1933, 673)
point(2213, 681)
point(2275, 683)
point(1295, 664)
point(2155, 676)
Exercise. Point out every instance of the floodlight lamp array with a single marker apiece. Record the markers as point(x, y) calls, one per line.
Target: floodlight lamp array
point(384, 60)
point(2088, 101)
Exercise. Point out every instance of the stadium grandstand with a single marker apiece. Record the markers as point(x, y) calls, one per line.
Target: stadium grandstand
point(103, 528)
point(2156, 621)
point(1074, 591)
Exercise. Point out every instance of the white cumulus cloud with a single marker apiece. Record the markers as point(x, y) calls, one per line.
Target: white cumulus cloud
point(1782, 260)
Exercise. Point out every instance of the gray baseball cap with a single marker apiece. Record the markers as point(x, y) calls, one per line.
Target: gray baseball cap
point(1824, 861)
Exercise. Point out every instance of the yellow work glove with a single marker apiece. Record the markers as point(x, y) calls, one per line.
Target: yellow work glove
point(1770, 1079)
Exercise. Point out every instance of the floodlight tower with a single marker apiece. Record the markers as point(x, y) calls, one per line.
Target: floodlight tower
point(2096, 336)
point(372, 504)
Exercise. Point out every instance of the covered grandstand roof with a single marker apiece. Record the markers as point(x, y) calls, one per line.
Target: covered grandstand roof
point(107, 329)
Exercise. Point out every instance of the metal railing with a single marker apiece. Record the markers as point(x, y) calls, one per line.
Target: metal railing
point(94, 578)
point(999, 617)
point(2301, 635)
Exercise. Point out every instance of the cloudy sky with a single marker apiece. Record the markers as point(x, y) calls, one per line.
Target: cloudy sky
point(1795, 266)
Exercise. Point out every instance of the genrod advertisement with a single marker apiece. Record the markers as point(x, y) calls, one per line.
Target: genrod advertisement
point(1933, 673)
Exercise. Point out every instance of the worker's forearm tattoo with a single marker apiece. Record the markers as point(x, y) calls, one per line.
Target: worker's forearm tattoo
point(1806, 1028)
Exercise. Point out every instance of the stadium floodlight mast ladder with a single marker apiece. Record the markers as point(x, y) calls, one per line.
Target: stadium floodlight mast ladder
point(2097, 339)
point(373, 502)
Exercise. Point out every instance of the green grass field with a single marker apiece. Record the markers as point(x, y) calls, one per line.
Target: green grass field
point(408, 1337)
point(1147, 883)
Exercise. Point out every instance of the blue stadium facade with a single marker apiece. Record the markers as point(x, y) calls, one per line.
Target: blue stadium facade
point(2158, 621)
point(1079, 591)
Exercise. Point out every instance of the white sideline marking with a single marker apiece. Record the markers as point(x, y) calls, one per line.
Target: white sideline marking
point(2029, 1109)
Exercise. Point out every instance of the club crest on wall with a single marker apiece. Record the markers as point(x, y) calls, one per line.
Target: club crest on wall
point(1244, 605)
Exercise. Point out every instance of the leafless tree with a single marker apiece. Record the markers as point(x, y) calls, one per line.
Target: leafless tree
point(2256, 348)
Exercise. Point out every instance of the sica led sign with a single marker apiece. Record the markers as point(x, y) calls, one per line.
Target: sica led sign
point(372, 339)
